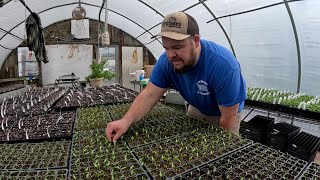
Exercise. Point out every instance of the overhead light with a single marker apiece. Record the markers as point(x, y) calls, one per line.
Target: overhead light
point(79, 12)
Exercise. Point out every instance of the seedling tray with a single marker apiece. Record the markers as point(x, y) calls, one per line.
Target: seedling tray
point(279, 134)
point(44, 174)
point(39, 128)
point(167, 158)
point(93, 157)
point(151, 131)
point(312, 172)
point(256, 128)
point(34, 156)
point(304, 146)
point(253, 162)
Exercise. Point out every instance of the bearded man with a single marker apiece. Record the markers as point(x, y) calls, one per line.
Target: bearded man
point(206, 74)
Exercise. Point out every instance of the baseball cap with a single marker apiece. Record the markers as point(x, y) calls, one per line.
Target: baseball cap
point(178, 26)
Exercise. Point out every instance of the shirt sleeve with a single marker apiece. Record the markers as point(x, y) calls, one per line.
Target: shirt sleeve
point(159, 75)
point(231, 89)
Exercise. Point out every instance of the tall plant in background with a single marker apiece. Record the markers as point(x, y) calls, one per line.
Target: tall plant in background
point(99, 73)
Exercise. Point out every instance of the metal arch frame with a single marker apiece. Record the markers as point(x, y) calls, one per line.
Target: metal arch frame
point(251, 10)
point(286, 2)
point(68, 4)
point(84, 4)
point(222, 28)
point(200, 2)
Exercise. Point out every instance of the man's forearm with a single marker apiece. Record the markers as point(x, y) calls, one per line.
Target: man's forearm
point(229, 123)
point(144, 102)
point(230, 118)
point(139, 108)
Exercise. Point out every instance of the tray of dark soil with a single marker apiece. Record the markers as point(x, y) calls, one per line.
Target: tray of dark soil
point(37, 128)
point(31, 102)
point(34, 156)
point(105, 95)
point(91, 118)
point(167, 158)
point(278, 135)
point(256, 128)
point(254, 162)
point(304, 145)
point(11, 88)
point(93, 157)
point(312, 172)
point(51, 174)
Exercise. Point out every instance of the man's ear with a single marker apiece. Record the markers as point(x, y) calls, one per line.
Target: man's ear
point(197, 39)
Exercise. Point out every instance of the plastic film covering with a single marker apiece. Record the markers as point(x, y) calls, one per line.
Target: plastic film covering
point(265, 46)
point(259, 32)
point(307, 20)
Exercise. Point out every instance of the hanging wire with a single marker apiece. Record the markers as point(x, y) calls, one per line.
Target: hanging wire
point(99, 28)
point(25, 18)
point(6, 47)
point(12, 35)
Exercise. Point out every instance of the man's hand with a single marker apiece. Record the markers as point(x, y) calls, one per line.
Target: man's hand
point(139, 108)
point(116, 129)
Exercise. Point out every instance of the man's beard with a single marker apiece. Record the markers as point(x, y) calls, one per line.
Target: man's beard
point(187, 67)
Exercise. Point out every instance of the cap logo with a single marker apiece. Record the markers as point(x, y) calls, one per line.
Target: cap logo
point(172, 23)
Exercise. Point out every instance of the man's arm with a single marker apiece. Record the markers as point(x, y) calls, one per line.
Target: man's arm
point(144, 102)
point(229, 118)
point(139, 108)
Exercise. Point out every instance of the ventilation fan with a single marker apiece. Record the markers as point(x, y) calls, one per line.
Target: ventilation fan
point(79, 12)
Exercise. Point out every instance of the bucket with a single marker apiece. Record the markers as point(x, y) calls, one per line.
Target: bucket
point(138, 74)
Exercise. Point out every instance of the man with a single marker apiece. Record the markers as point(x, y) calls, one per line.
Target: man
point(206, 74)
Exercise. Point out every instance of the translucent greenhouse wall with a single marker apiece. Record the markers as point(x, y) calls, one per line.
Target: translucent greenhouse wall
point(276, 41)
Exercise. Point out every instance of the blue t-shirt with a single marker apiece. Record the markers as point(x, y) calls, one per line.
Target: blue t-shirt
point(215, 80)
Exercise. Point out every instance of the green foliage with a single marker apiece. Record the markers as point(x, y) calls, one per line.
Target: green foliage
point(97, 71)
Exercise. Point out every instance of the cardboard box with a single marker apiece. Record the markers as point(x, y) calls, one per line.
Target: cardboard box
point(148, 70)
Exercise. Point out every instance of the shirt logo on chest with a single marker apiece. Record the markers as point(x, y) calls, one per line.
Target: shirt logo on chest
point(203, 87)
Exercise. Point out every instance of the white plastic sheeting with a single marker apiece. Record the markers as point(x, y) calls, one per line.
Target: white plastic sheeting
point(263, 40)
point(307, 17)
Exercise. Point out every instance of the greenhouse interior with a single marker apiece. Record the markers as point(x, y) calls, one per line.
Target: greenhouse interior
point(160, 89)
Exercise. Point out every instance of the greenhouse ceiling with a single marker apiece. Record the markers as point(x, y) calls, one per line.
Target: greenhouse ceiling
point(275, 41)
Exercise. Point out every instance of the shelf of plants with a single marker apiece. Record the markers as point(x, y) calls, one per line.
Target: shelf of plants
point(34, 156)
point(312, 172)
point(49, 174)
point(93, 157)
point(254, 162)
point(105, 95)
point(36, 128)
point(283, 101)
point(92, 118)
